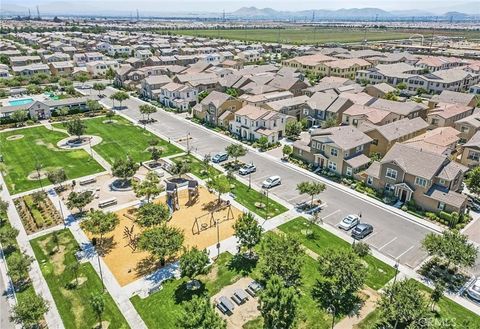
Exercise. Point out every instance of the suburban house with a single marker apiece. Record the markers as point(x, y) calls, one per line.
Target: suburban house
point(289, 106)
point(468, 126)
point(150, 86)
point(446, 114)
point(251, 123)
point(61, 68)
point(441, 140)
point(360, 114)
point(386, 136)
point(431, 180)
point(293, 85)
point(343, 68)
point(97, 68)
point(342, 150)
point(31, 69)
point(217, 109)
point(261, 99)
point(379, 90)
point(471, 152)
point(452, 97)
point(178, 96)
point(308, 63)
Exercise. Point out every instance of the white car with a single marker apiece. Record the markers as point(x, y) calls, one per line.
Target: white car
point(313, 128)
point(349, 222)
point(271, 181)
point(247, 169)
point(473, 291)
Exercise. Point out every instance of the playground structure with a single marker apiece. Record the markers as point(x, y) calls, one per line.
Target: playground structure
point(192, 192)
point(208, 220)
point(172, 197)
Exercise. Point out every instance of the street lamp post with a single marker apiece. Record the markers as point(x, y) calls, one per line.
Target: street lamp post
point(394, 281)
point(250, 180)
point(61, 212)
point(217, 224)
point(265, 192)
point(100, 270)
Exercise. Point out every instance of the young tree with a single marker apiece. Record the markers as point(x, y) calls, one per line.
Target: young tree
point(311, 188)
point(125, 169)
point(75, 127)
point(437, 294)
point(283, 256)
point(149, 187)
point(100, 223)
point(194, 262)
point(18, 267)
point(293, 129)
point(236, 151)
point(181, 168)
point(29, 310)
point(162, 242)
point(451, 246)
point(93, 105)
point(79, 200)
point(262, 143)
point(248, 231)
point(98, 305)
point(63, 111)
point(57, 176)
point(473, 180)
point(362, 249)
point(8, 236)
point(198, 313)
point(99, 87)
point(110, 73)
point(342, 275)
point(19, 117)
point(120, 96)
point(147, 110)
point(287, 150)
point(219, 183)
point(278, 304)
point(83, 77)
point(152, 214)
point(155, 153)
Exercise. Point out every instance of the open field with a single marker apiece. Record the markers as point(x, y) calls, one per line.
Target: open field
point(320, 35)
point(73, 301)
point(38, 145)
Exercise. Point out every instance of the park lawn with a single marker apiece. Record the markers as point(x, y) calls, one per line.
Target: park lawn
point(447, 309)
point(122, 137)
point(379, 273)
point(73, 304)
point(38, 145)
point(243, 195)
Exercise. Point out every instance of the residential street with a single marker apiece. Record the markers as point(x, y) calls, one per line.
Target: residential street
point(394, 235)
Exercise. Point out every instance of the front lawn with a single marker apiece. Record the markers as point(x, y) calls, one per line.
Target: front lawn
point(23, 149)
point(243, 195)
point(379, 273)
point(56, 261)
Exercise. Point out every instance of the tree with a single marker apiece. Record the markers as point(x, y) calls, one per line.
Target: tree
point(180, 168)
point(75, 127)
point(147, 110)
point(236, 151)
point(278, 304)
point(401, 86)
point(125, 169)
point(194, 262)
point(362, 249)
point(403, 305)
point(149, 187)
point(451, 246)
point(473, 180)
point(202, 95)
point(163, 242)
point(293, 129)
point(57, 176)
point(83, 77)
point(262, 143)
point(232, 92)
point(79, 200)
point(98, 305)
point(100, 223)
point(155, 153)
point(248, 231)
point(152, 214)
point(63, 111)
point(198, 313)
point(74, 267)
point(120, 96)
point(330, 122)
point(18, 267)
point(29, 310)
point(110, 73)
point(391, 96)
point(8, 236)
point(98, 87)
point(342, 275)
point(219, 183)
point(287, 150)
point(437, 294)
point(93, 105)
point(19, 117)
point(283, 256)
point(311, 188)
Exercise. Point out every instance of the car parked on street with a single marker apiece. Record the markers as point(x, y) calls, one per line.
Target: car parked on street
point(272, 181)
point(349, 222)
point(361, 231)
point(220, 157)
point(473, 290)
point(247, 169)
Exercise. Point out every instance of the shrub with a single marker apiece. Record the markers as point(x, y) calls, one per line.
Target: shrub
point(361, 249)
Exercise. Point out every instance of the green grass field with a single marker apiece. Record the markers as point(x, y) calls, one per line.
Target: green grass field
point(73, 303)
point(379, 273)
point(320, 35)
point(38, 145)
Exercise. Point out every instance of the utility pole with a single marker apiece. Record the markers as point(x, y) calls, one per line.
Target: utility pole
point(38, 13)
point(138, 16)
point(29, 14)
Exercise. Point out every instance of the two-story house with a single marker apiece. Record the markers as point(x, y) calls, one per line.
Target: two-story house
point(150, 86)
point(217, 108)
point(178, 96)
point(471, 151)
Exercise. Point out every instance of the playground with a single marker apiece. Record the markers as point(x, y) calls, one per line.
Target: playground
point(196, 212)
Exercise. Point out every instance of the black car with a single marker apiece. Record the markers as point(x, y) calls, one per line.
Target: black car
point(361, 231)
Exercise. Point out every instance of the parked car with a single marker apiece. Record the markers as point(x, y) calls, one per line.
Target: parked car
point(247, 169)
point(473, 290)
point(220, 157)
point(473, 204)
point(361, 231)
point(349, 222)
point(271, 181)
point(313, 128)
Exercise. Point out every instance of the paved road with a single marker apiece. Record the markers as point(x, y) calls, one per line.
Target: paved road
point(394, 235)
point(5, 322)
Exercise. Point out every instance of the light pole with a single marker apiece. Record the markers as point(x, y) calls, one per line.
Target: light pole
point(394, 281)
point(188, 143)
point(250, 180)
point(265, 192)
point(90, 146)
point(217, 224)
point(61, 211)
point(100, 270)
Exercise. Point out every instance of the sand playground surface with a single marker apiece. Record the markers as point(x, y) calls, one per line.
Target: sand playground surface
point(128, 265)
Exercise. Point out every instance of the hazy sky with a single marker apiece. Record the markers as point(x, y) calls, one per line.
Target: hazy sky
point(231, 5)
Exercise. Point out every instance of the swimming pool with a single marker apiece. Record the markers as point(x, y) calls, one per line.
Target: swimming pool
point(22, 101)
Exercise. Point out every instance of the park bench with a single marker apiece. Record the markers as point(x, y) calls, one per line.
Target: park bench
point(107, 202)
point(87, 181)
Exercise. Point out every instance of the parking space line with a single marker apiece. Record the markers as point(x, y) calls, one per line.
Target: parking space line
point(330, 214)
point(403, 253)
point(370, 236)
point(386, 244)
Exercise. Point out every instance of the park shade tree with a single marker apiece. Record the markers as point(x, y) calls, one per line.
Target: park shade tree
point(93, 105)
point(18, 267)
point(218, 182)
point(311, 188)
point(180, 168)
point(100, 223)
point(75, 127)
point(152, 214)
point(120, 96)
point(163, 242)
point(29, 311)
point(155, 153)
point(98, 87)
point(283, 256)
point(82, 77)
point(278, 304)
point(451, 246)
point(402, 305)
point(79, 200)
point(57, 176)
point(293, 129)
point(248, 231)
point(342, 275)
point(194, 262)
point(149, 187)
point(147, 110)
point(287, 150)
point(473, 180)
point(235, 151)
point(19, 117)
point(198, 313)
point(97, 303)
point(124, 169)
point(8, 236)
